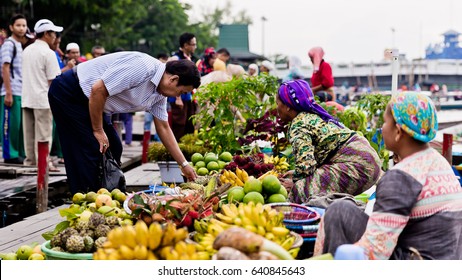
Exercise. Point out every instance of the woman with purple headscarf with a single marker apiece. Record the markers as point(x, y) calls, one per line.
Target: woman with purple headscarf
point(329, 157)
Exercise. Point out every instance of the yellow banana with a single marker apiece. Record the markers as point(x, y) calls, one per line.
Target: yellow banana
point(180, 247)
point(114, 255)
point(222, 224)
point(129, 235)
point(203, 256)
point(246, 221)
point(238, 172)
point(190, 249)
point(142, 233)
point(155, 235)
point(215, 229)
point(197, 226)
point(251, 228)
point(237, 221)
point(169, 234)
point(294, 252)
point(239, 182)
point(205, 226)
point(288, 242)
point(116, 236)
point(261, 230)
point(245, 176)
point(140, 252)
point(151, 255)
point(227, 210)
point(224, 218)
point(126, 252)
point(280, 231)
point(270, 236)
point(181, 234)
point(164, 251)
point(233, 208)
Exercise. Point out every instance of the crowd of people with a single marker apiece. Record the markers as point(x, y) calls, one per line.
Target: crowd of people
point(68, 101)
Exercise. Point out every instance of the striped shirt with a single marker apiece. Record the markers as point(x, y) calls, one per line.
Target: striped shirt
point(6, 57)
point(131, 79)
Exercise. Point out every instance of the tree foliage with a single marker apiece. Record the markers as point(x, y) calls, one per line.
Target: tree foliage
point(151, 26)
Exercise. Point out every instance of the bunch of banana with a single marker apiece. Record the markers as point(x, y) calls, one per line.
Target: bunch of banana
point(201, 226)
point(242, 174)
point(257, 218)
point(271, 172)
point(280, 163)
point(140, 242)
point(229, 176)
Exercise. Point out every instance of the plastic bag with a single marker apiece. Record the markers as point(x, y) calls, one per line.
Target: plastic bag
point(112, 175)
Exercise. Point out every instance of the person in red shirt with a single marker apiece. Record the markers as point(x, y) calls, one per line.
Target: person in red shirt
point(322, 80)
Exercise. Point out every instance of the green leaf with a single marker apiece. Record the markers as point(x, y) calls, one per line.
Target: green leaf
point(138, 199)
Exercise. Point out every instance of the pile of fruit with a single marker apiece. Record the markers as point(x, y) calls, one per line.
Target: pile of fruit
point(256, 218)
point(210, 162)
point(191, 202)
point(88, 221)
point(25, 252)
point(266, 189)
point(153, 242)
point(254, 164)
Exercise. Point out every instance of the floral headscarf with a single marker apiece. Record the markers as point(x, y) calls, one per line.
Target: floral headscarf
point(415, 113)
point(297, 95)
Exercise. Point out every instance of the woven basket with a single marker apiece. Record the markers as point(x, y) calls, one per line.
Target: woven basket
point(296, 214)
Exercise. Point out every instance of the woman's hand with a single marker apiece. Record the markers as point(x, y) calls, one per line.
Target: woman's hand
point(288, 184)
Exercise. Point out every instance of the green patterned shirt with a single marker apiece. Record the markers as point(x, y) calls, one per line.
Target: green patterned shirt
point(312, 140)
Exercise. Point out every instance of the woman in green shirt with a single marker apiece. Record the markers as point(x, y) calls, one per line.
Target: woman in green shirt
point(329, 157)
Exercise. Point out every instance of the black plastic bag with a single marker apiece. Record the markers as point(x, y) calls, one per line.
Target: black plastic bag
point(112, 175)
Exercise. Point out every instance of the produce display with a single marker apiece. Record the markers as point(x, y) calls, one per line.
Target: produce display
point(255, 218)
point(210, 162)
point(153, 242)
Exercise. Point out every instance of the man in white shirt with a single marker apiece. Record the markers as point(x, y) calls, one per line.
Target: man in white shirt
point(40, 67)
point(120, 82)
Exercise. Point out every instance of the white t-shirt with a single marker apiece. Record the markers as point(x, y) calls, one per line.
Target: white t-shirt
point(39, 65)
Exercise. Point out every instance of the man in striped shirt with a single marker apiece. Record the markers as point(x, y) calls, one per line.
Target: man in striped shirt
point(120, 82)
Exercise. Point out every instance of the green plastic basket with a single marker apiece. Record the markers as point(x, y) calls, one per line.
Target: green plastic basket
point(55, 255)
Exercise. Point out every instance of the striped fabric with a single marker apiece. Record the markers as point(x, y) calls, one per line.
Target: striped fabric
point(131, 79)
point(6, 56)
point(353, 169)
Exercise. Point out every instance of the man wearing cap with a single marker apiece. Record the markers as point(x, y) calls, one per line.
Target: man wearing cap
point(40, 67)
point(73, 54)
point(119, 82)
point(266, 67)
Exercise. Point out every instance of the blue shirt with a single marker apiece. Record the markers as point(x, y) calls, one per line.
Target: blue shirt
point(6, 57)
point(131, 79)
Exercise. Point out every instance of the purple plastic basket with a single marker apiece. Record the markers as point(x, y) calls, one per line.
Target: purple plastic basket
point(296, 214)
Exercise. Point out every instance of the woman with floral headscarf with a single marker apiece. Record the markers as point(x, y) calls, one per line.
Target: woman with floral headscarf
point(329, 157)
point(205, 64)
point(322, 80)
point(418, 208)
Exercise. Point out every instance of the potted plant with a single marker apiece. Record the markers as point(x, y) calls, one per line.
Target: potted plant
point(219, 124)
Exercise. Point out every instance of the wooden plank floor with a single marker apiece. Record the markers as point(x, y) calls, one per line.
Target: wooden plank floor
point(29, 230)
point(141, 177)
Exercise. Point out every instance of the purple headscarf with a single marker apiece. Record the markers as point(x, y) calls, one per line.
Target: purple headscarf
point(297, 95)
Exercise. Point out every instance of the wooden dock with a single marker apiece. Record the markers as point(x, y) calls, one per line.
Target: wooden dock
point(29, 230)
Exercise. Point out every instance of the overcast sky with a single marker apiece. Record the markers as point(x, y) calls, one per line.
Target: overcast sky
point(348, 30)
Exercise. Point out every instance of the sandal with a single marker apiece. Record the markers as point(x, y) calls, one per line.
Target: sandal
point(52, 168)
point(61, 161)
